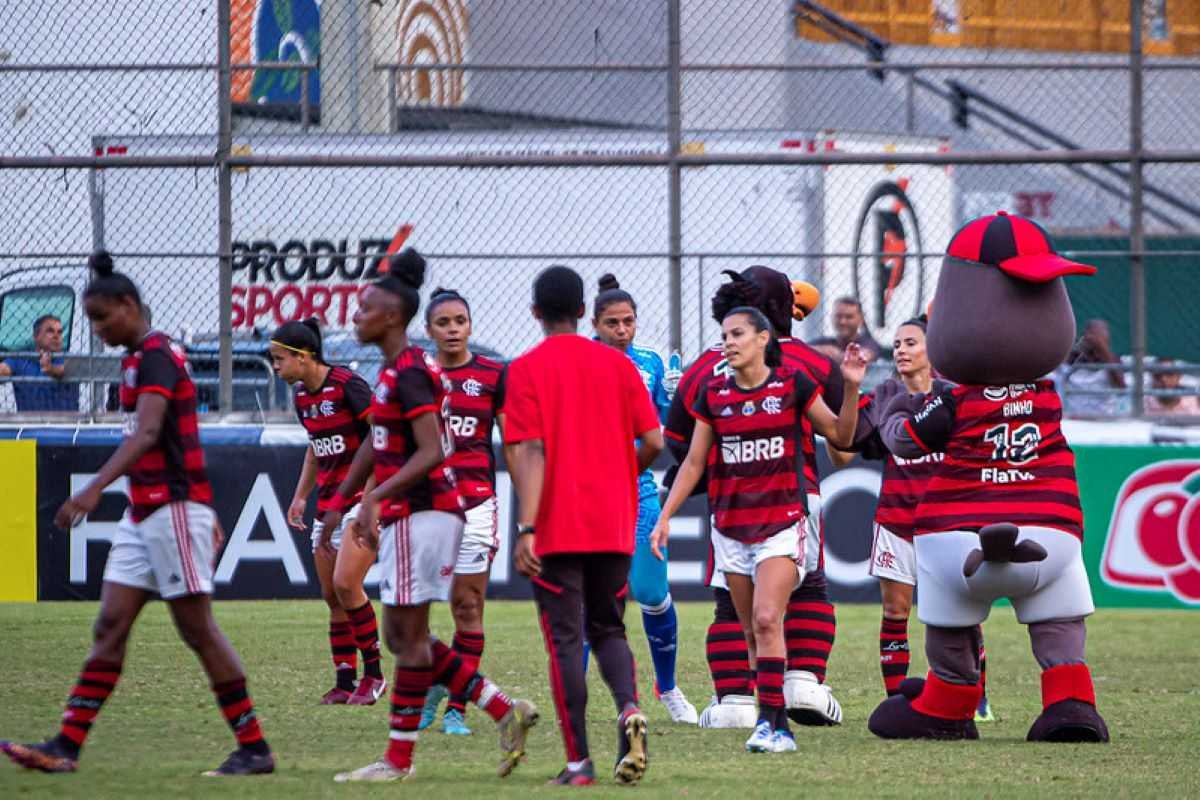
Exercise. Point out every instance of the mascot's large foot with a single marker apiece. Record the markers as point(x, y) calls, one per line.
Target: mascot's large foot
point(927, 709)
point(998, 544)
point(1068, 707)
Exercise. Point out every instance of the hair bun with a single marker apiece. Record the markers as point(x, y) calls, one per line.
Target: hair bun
point(101, 263)
point(608, 281)
point(408, 267)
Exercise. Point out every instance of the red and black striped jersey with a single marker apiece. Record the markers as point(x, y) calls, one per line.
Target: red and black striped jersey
point(1006, 459)
point(412, 385)
point(173, 469)
point(335, 417)
point(797, 355)
point(474, 399)
point(755, 488)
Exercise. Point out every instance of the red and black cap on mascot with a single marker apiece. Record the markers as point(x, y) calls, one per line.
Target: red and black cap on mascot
point(1001, 517)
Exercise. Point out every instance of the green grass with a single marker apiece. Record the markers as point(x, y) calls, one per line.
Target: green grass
point(161, 728)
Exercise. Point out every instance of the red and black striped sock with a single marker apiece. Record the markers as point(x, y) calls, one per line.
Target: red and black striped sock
point(728, 659)
point(408, 698)
point(469, 646)
point(366, 633)
point(983, 669)
point(893, 653)
point(809, 628)
point(238, 710)
point(452, 672)
point(345, 653)
point(769, 677)
point(96, 682)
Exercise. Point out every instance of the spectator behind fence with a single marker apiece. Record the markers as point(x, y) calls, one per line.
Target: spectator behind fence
point(1188, 405)
point(1094, 347)
point(42, 396)
point(848, 327)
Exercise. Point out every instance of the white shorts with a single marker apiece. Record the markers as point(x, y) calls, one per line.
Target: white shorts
point(814, 539)
point(1055, 588)
point(416, 558)
point(893, 557)
point(740, 558)
point(480, 539)
point(170, 552)
point(336, 539)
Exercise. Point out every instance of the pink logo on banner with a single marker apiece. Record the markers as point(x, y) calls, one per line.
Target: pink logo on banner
point(1154, 536)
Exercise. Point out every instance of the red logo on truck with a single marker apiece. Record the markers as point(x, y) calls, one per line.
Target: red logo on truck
point(1154, 536)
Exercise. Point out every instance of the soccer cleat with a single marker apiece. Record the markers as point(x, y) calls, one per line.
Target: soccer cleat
point(810, 702)
point(336, 696)
point(433, 698)
point(454, 724)
point(244, 762)
point(678, 707)
point(368, 691)
point(382, 771)
point(584, 776)
point(783, 742)
point(733, 711)
point(984, 713)
point(48, 756)
point(514, 730)
point(760, 740)
point(631, 765)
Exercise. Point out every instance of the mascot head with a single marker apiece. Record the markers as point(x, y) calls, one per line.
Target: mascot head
point(1001, 313)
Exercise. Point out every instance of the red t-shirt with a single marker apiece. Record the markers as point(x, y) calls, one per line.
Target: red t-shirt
point(587, 403)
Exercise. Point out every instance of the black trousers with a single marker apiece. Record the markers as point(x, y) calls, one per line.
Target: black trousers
point(581, 597)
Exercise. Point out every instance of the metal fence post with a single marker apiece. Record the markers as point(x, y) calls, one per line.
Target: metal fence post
point(225, 208)
point(675, 190)
point(1137, 233)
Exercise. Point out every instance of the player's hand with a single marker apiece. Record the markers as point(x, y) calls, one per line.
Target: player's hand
point(325, 540)
point(218, 538)
point(854, 365)
point(658, 539)
point(332, 520)
point(77, 506)
point(526, 562)
point(295, 513)
point(365, 525)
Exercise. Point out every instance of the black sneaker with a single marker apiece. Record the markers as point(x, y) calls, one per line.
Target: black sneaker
point(584, 776)
point(244, 762)
point(48, 756)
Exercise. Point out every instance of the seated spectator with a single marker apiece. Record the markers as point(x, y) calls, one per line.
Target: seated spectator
point(43, 396)
point(848, 327)
point(1170, 404)
point(1094, 347)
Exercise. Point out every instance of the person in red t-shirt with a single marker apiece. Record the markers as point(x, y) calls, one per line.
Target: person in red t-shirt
point(474, 398)
point(572, 410)
point(414, 517)
point(166, 542)
point(749, 438)
point(332, 404)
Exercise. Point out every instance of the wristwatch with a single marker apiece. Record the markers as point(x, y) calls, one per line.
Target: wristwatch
point(524, 529)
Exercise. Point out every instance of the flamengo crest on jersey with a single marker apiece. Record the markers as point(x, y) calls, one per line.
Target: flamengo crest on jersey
point(333, 417)
point(473, 404)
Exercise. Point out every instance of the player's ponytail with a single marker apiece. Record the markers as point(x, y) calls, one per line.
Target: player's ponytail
point(300, 337)
point(610, 293)
point(440, 296)
point(773, 356)
point(106, 282)
point(405, 274)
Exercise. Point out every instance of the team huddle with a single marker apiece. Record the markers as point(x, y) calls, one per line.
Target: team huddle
point(404, 475)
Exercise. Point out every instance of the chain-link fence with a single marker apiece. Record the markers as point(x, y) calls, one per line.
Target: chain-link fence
point(250, 162)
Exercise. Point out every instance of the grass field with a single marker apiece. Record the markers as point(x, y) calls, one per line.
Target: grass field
point(161, 728)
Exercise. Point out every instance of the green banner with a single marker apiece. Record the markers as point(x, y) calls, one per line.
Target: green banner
point(1141, 516)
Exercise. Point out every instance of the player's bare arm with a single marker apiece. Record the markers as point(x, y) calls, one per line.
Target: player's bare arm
point(650, 444)
point(151, 411)
point(690, 473)
point(304, 487)
point(527, 463)
point(360, 470)
point(839, 430)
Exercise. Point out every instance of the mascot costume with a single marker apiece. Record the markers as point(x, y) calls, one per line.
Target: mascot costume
point(1001, 517)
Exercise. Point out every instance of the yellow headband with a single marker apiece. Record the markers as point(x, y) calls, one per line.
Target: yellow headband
point(278, 343)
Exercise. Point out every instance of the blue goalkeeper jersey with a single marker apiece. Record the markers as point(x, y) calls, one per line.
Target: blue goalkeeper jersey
point(650, 366)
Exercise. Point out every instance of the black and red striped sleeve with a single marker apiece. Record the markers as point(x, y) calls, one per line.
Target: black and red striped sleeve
point(157, 373)
point(415, 392)
point(358, 396)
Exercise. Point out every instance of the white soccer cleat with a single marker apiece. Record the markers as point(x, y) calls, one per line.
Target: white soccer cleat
point(382, 771)
point(761, 740)
point(810, 702)
point(783, 742)
point(678, 707)
point(735, 711)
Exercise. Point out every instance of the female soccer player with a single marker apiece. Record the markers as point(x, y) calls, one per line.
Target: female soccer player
point(474, 402)
point(893, 557)
point(166, 541)
point(749, 431)
point(614, 318)
point(415, 517)
point(332, 404)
